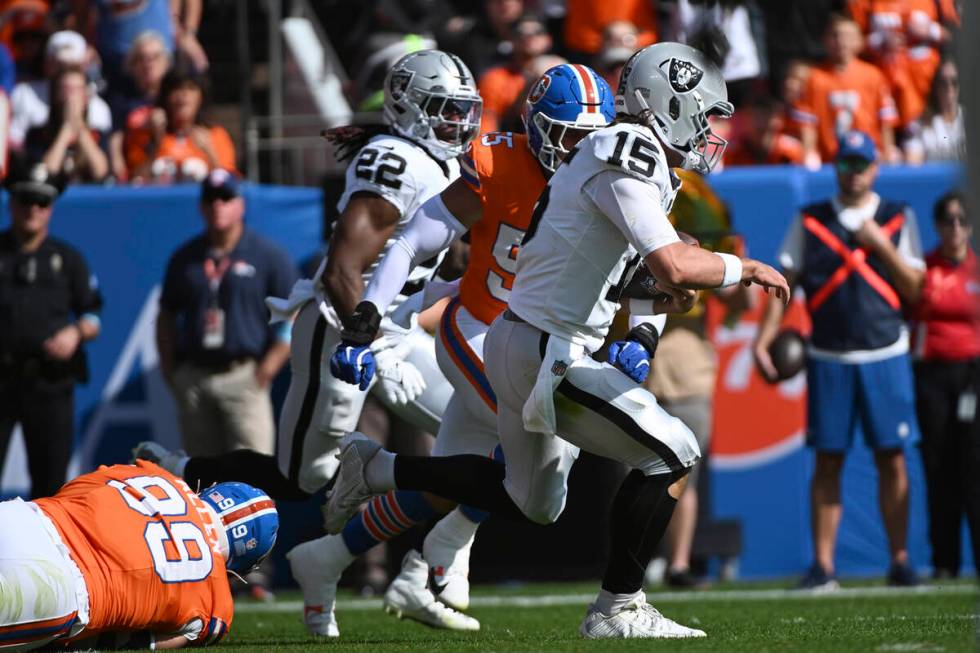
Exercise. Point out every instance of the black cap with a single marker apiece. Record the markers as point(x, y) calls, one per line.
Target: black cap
point(36, 180)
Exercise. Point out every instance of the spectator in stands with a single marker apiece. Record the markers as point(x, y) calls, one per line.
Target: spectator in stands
point(760, 135)
point(66, 144)
point(218, 353)
point(794, 32)
point(845, 94)
point(30, 100)
point(585, 21)
point(620, 40)
point(947, 376)
point(178, 143)
point(50, 304)
point(487, 41)
point(858, 367)
point(24, 28)
point(132, 105)
point(940, 134)
point(502, 86)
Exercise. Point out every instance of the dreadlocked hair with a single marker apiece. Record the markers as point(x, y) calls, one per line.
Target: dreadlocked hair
point(349, 139)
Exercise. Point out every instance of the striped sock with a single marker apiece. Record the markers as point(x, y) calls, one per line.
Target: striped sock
point(385, 517)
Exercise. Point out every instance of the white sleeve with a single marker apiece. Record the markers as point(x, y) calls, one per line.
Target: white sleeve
point(790, 255)
point(659, 321)
point(430, 231)
point(635, 207)
point(909, 244)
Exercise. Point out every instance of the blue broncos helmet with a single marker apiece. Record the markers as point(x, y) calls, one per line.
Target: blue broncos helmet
point(569, 96)
point(249, 519)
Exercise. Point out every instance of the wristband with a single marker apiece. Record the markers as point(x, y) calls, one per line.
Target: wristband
point(646, 335)
point(362, 326)
point(733, 269)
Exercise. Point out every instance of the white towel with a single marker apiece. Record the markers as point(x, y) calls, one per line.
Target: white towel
point(539, 409)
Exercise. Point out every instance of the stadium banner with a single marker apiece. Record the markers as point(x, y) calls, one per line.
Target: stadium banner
point(760, 467)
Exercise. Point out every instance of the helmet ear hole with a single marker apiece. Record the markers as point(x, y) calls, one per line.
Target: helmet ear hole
point(674, 108)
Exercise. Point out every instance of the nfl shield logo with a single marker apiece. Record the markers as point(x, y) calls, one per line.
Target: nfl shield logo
point(559, 368)
point(683, 75)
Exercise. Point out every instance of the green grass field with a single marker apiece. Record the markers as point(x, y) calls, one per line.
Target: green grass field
point(545, 618)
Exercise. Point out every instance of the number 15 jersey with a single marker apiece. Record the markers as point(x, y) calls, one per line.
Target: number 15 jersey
point(148, 552)
point(577, 257)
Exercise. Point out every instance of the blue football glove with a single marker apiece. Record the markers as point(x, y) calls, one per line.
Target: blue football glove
point(631, 358)
point(353, 364)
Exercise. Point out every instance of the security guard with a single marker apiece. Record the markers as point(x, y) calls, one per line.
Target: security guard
point(49, 306)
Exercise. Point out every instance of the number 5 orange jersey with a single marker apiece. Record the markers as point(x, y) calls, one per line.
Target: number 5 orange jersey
point(503, 171)
point(148, 549)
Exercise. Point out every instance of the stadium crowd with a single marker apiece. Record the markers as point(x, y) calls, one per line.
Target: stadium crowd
point(110, 93)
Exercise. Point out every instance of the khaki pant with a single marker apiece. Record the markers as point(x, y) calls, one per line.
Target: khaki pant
point(223, 411)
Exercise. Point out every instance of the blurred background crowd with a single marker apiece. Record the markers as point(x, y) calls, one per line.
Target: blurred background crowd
point(157, 91)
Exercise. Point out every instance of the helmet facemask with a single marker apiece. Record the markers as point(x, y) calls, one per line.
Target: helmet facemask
point(453, 120)
point(703, 149)
point(554, 132)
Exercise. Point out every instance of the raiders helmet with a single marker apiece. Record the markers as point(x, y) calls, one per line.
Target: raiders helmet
point(430, 98)
point(673, 89)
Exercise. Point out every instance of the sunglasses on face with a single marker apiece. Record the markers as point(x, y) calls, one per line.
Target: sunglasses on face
point(852, 166)
point(951, 220)
point(33, 199)
point(949, 81)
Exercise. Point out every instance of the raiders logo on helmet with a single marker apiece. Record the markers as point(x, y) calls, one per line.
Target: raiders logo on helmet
point(539, 89)
point(400, 79)
point(683, 75)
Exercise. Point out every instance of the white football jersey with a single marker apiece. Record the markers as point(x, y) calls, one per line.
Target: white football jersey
point(402, 173)
point(576, 260)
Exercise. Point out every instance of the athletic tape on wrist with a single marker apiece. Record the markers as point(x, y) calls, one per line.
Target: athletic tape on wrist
point(733, 269)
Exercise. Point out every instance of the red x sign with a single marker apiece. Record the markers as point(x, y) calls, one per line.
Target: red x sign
point(854, 261)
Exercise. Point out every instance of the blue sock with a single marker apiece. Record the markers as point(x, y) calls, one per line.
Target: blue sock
point(384, 518)
point(473, 514)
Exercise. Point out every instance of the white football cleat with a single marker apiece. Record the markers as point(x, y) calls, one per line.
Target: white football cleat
point(350, 489)
point(449, 570)
point(317, 566)
point(172, 461)
point(408, 597)
point(636, 620)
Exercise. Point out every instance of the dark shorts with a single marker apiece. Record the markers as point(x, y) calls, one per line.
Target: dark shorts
point(879, 397)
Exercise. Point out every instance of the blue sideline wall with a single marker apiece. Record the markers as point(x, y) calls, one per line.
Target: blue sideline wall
point(127, 234)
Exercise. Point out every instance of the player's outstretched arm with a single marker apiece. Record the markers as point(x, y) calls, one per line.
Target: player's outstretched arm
point(366, 224)
point(435, 226)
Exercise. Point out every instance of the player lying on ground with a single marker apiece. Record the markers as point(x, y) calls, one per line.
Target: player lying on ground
point(604, 211)
point(432, 112)
point(128, 557)
point(502, 176)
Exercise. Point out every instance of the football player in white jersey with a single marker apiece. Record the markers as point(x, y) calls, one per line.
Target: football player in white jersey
point(604, 211)
point(432, 111)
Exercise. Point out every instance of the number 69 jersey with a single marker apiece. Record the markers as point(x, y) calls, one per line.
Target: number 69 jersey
point(147, 550)
point(576, 258)
point(503, 171)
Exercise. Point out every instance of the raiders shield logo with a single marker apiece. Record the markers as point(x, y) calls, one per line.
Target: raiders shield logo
point(683, 75)
point(399, 82)
point(539, 89)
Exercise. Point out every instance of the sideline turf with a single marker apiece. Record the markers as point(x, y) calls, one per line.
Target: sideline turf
point(934, 622)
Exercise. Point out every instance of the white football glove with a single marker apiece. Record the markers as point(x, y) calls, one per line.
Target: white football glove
point(399, 380)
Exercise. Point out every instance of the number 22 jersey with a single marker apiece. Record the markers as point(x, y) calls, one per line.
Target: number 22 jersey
point(148, 552)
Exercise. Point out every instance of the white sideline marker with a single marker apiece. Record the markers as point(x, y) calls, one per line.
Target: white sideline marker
point(547, 600)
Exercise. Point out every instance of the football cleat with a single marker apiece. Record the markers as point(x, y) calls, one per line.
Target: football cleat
point(818, 580)
point(172, 461)
point(350, 489)
point(408, 597)
point(310, 563)
point(449, 570)
point(638, 619)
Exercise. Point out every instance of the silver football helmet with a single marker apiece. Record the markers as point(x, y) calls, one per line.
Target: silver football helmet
point(673, 89)
point(431, 99)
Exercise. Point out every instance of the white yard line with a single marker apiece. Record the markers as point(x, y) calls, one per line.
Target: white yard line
point(547, 600)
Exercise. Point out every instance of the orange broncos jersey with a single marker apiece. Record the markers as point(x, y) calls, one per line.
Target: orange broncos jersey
point(503, 171)
point(149, 554)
